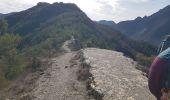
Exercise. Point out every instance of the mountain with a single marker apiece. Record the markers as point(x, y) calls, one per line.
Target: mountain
point(1, 15)
point(108, 23)
point(4, 15)
point(149, 28)
point(45, 27)
point(27, 21)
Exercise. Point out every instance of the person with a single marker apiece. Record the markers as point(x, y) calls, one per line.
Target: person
point(159, 72)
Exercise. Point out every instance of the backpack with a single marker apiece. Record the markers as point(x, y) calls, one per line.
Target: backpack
point(165, 55)
point(164, 47)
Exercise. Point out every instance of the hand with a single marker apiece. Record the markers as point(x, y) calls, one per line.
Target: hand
point(165, 94)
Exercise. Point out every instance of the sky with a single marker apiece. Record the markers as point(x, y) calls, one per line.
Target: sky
point(116, 10)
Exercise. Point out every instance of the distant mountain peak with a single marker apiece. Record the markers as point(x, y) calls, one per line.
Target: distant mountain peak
point(138, 18)
point(70, 5)
point(108, 23)
point(55, 3)
point(145, 17)
point(58, 5)
point(42, 4)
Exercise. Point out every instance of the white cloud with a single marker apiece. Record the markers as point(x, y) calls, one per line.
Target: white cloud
point(107, 6)
point(13, 5)
point(140, 1)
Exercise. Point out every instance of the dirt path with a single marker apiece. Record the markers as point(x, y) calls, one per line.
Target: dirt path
point(65, 46)
point(60, 80)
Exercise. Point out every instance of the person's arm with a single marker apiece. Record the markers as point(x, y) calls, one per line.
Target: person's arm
point(157, 76)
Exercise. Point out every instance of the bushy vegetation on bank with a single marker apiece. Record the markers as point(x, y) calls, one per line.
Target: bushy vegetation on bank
point(12, 61)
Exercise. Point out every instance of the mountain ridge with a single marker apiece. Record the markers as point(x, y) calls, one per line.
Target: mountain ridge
point(42, 10)
point(151, 28)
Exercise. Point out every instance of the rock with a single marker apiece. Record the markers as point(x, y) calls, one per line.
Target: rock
point(115, 76)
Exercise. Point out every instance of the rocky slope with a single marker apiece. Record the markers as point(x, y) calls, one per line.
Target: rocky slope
point(115, 76)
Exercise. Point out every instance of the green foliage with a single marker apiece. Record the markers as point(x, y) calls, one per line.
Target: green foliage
point(144, 60)
point(12, 63)
point(3, 26)
point(142, 47)
point(8, 44)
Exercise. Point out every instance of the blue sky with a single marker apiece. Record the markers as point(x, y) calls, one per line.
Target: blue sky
point(116, 10)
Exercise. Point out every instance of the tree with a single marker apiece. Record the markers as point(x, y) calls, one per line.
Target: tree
point(3, 26)
point(12, 62)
